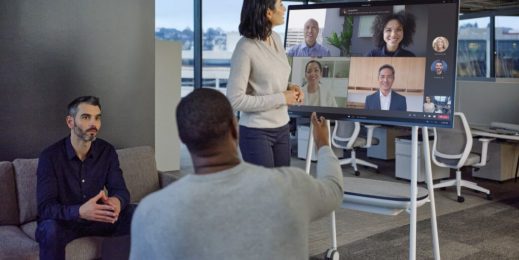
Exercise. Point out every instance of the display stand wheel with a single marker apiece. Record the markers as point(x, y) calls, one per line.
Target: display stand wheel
point(331, 254)
point(461, 199)
point(489, 197)
point(357, 173)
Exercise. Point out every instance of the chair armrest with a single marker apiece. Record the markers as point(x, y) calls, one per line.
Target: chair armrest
point(166, 178)
point(484, 151)
point(369, 136)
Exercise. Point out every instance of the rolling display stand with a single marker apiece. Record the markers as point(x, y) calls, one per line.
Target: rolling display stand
point(387, 197)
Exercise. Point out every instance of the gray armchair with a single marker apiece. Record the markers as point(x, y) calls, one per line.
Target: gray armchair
point(452, 149)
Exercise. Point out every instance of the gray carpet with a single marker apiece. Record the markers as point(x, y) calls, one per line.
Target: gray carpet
point(489, 231)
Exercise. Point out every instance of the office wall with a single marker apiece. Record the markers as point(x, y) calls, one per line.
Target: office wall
point(486, 102)
point(53, 51)
point(168, 56)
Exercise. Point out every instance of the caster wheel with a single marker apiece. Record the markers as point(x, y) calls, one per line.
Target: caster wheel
point(331, 254)
point(357, 173)
point(377, 171)
point(489, 197)
point(461, 199)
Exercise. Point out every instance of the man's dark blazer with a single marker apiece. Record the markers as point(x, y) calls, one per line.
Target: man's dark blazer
point(398, 102)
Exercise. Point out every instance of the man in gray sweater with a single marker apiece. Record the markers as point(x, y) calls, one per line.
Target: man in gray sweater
point(229, 209)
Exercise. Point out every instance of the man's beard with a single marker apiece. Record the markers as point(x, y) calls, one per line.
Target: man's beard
point(83, 135)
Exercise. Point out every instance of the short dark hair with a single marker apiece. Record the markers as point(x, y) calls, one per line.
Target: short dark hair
point(386, 66)
point(316, 62)
point(72, 106)
point(254, 23)
point(204, 117)
point(407, 21)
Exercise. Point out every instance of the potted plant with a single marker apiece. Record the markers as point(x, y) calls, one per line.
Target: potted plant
point(343, 40)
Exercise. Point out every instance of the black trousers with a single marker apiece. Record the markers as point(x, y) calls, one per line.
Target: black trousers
point(269, 147)
point(54, 235)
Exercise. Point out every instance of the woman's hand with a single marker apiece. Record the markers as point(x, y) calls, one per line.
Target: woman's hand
point(291, 97)
point(299, 92)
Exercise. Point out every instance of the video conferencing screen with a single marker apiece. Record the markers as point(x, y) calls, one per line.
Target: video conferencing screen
point(385, 62)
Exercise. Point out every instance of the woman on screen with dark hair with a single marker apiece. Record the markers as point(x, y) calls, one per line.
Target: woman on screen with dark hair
point(315, 94)
point(391, 33)
point(258, 85)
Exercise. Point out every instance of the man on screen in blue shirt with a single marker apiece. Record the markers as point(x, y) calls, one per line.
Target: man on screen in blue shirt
point(71, 177)
point(309, 48)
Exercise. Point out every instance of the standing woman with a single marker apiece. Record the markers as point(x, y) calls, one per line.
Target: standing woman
point(258, 85)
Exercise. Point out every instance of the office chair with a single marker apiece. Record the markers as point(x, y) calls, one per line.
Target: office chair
point(452, 149)
point(346, 136)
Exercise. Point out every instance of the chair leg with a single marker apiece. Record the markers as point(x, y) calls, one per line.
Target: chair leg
point(458, 186)
point(474, 186)
point(368, 164)
point(443, 184)
point(458, 182)
point(345, 161)
point(354, 162)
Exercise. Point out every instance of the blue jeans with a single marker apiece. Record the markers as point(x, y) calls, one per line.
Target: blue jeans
point(54, 235)
point(269, 147)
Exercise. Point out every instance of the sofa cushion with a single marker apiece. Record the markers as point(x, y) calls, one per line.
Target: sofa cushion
point(84, 248)
point(139, 171)
point(81, 248)
point(14, 244)
point(29, 229)
point(9, 212)
point(25, 174)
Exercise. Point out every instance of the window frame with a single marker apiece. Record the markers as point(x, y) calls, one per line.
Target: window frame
point(492, 43)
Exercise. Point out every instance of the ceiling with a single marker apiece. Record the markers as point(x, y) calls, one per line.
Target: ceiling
point(466, 6)
point(470, 6)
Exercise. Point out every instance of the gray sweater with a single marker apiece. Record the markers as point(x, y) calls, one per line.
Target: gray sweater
point(247, 212)
point(259, 75)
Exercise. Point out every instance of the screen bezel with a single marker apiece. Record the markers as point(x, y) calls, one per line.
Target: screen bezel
point(400, 118)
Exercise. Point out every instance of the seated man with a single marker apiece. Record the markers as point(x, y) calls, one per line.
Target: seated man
point(309, 48)
point(385, 98)
point(71, 176)
point(230, 209)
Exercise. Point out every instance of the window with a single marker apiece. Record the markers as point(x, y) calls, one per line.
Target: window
point(174, 22)
point(488, 47)
point(220, 36)
point(474, 47)
point(507, 46)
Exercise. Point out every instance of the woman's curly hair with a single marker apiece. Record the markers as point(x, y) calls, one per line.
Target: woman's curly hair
point(407, 20)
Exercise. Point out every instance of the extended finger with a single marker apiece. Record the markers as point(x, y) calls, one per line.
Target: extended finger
point(105, 215)
point(105, 219)
point(104, 207)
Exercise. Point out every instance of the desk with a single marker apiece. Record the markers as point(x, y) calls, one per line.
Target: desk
point(487, 132)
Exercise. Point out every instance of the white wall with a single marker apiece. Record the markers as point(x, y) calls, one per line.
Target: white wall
point(167, 95)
